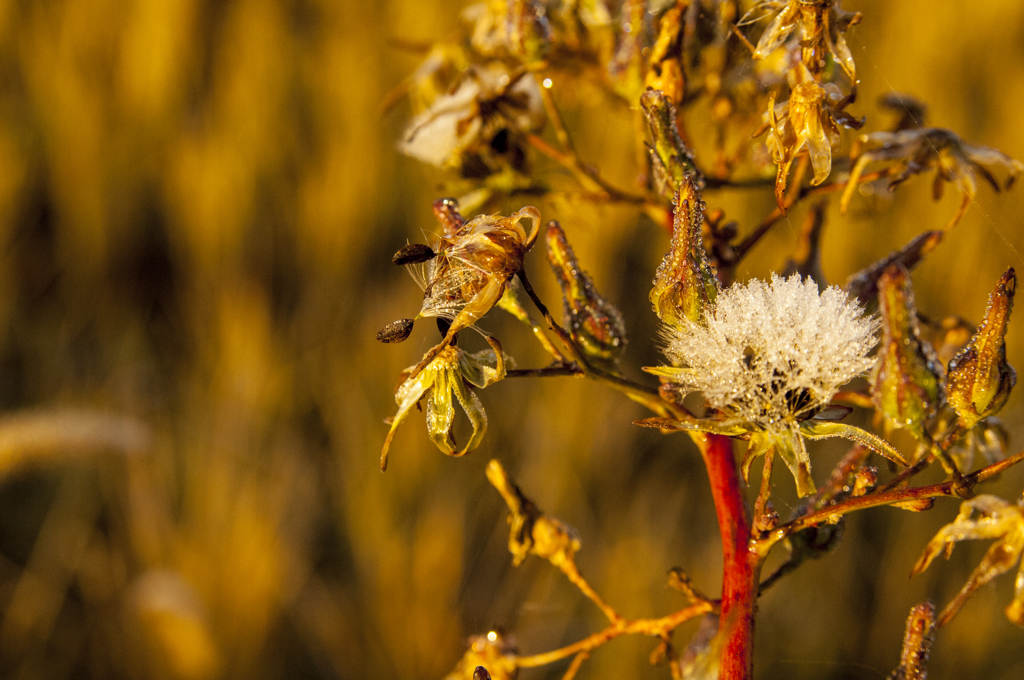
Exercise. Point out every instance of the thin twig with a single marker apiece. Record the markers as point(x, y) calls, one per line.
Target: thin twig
point(656, 627)
point(642, 394)
point(554, 370)
point(586, 175)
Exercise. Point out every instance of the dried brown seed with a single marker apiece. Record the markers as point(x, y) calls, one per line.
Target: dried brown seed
point(396, 331)
point(413, 253)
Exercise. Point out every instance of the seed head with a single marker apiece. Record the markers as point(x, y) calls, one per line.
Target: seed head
point(773, 354)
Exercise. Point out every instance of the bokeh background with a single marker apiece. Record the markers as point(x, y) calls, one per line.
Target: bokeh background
point(198, 205)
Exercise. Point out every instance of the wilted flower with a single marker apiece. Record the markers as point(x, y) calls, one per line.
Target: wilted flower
point(770, 357)
point(452, 371)
point(996, 519)
point(464, 273)
point(480, 118)
point(810, 118)
point(918, 150)
point(519, 28)
point(821, 23)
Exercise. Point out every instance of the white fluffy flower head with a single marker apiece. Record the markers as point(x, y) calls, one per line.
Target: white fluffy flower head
point(772, 354)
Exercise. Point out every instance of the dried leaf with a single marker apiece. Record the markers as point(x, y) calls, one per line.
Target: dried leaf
point(531, 531)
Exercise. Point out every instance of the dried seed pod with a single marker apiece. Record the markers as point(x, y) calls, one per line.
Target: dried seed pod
point(413, 253)
point(979, 380)
point(685, 286)
point(594, 323)
point(906, 383)
point(396, 331)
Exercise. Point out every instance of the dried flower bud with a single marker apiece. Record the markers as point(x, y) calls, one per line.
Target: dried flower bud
point(671, 161)
point(532, 532)
point(979, 379)
point(489, 656)
point(396, 331)
point(594, 323)
point(906, 383)
point(685, 285)
point(865, 480)
point(917, 643)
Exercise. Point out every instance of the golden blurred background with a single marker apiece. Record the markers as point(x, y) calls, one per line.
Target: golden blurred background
point(198, 206)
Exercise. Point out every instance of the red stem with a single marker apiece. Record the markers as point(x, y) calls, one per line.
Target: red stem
point(740, 568)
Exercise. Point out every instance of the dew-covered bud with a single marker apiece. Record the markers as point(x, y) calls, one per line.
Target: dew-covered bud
point(671, 162)
point(685, 285)
point(979, 380)
point(594, 323)
point(906, 383)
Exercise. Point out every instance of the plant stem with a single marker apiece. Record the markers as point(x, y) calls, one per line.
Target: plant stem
point(740, 567)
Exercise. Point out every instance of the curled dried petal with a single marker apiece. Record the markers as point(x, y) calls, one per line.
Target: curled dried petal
point(531, 531)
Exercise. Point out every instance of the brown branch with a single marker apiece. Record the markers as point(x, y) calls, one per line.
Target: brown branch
point(832, 513)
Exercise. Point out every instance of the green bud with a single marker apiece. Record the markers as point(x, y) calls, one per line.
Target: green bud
point(979, 380)
point(906, 383)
